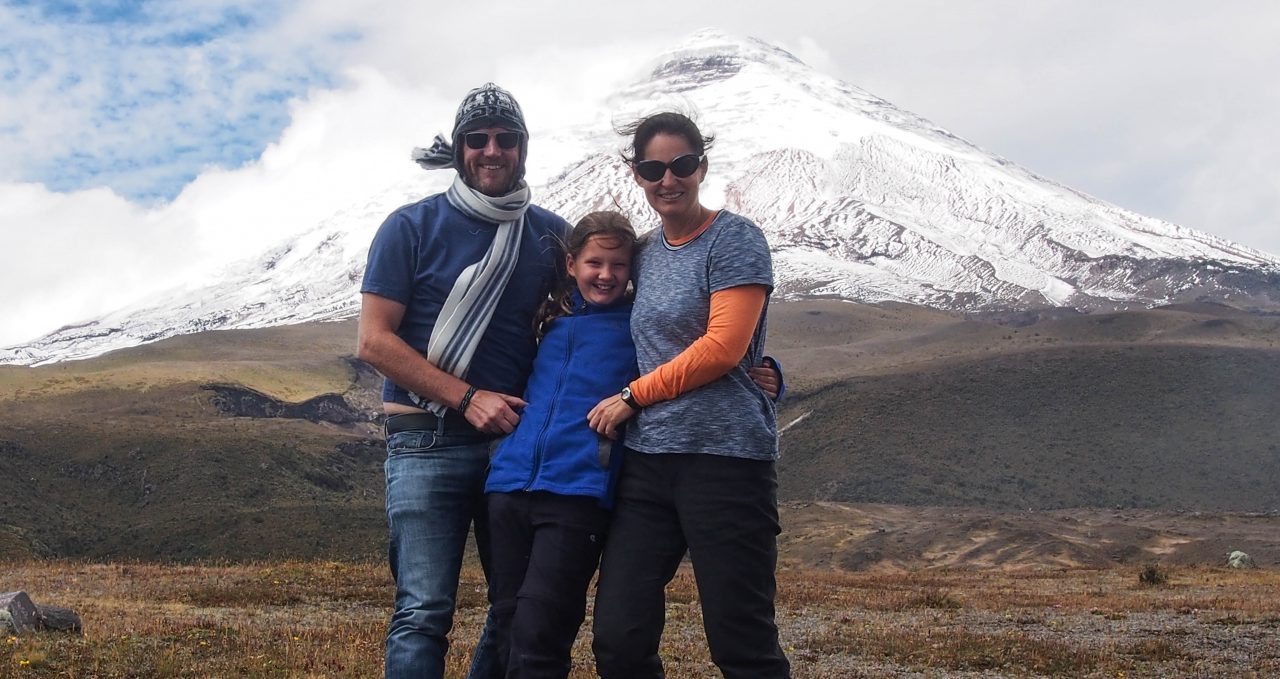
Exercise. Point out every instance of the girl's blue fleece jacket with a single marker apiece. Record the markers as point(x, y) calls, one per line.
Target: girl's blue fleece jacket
point(584, 358)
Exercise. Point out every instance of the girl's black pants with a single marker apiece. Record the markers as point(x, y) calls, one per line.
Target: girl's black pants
point(544, 551)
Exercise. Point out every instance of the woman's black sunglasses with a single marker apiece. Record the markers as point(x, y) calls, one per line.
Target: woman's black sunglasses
point(478, 140)
point(654, 171)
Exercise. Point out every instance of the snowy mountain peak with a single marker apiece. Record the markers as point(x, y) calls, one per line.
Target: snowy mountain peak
point(859, 199)
point(710, 55)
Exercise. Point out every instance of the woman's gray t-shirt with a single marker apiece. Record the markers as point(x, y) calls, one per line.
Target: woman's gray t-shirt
point(730, 416)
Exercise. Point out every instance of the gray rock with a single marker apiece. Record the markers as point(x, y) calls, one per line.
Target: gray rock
point(17, 613)
point(58, 619)
point(1239, 559)
point(20, 615)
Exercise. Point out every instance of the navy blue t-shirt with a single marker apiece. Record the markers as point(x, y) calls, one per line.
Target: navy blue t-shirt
point(416, 257)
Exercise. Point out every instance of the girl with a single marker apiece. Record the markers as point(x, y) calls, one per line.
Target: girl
point(550, 481)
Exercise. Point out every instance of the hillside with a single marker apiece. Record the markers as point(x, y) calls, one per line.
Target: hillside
point(246, 444)
point(1172, 409)
point(137, 454)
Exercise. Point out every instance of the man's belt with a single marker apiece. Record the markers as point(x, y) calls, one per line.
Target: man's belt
point(454, 424)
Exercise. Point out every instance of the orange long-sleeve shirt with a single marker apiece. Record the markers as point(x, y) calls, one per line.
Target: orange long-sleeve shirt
point(731, 323)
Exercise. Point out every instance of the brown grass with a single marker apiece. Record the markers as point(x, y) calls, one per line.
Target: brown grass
point(327, 619)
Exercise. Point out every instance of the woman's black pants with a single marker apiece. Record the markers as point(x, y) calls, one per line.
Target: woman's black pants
point(724, 511)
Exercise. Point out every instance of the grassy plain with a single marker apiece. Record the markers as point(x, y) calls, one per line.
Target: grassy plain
point(964, 498)
point(326, 619)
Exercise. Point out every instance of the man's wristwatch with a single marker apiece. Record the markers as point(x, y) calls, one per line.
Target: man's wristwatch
point(628, 399)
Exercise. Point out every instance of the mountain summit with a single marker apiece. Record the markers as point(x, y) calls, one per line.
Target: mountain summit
point(859, 199)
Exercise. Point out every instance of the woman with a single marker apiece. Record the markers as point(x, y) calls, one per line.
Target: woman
point(699, 467)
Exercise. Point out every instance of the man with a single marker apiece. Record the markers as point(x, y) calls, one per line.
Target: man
point(448, 301)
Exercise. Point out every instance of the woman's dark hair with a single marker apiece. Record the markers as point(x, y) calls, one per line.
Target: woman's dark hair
point(606, 224)
point(643, 131)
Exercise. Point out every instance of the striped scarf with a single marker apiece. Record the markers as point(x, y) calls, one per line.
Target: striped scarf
point(470, 305)
point(435, 157)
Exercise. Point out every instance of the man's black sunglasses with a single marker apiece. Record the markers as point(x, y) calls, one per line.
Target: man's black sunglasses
point(654, 171)
point(479, 140)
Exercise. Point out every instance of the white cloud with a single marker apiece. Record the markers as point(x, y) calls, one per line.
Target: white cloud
point(1214, 193)
point(809, 51)
point(140, 103)
point(75, 255)
point(1131, 102)
point(341, 147)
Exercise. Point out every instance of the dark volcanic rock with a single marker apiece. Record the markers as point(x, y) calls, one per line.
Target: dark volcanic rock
point(696, 71)
point(18, 613)
point(237, 401)
point(58, 619)
point(364, 449)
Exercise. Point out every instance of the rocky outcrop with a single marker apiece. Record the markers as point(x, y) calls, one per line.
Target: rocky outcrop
point(237, 401)
point(20, 615)
point(17, 613)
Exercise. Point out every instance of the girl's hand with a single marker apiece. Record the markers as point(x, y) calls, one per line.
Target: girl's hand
point(608, 415)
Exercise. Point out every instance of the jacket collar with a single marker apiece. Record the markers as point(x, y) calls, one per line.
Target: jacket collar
point(581, 305)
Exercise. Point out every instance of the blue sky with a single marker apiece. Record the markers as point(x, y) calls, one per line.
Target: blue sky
point(149, 93)
point(154, 141)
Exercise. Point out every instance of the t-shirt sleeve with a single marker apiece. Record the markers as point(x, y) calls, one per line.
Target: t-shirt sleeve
point(740, 256)
point(389, 271)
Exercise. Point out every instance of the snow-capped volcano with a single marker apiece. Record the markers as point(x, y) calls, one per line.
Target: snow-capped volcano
point(859, 199)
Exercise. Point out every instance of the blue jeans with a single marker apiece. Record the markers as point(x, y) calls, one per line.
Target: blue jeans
point(435, 491)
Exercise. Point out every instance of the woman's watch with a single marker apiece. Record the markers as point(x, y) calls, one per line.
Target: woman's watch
point(628, 399)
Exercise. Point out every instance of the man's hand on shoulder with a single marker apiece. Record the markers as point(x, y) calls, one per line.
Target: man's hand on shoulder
point(494, 413)
point(768, 376)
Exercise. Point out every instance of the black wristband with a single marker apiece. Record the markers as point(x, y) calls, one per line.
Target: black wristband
point(628, 399)
point(466, 399)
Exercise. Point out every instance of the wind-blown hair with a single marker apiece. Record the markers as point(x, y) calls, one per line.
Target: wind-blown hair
point(643, 131)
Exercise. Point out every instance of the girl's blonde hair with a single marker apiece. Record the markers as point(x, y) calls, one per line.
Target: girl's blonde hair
point(605, 223)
